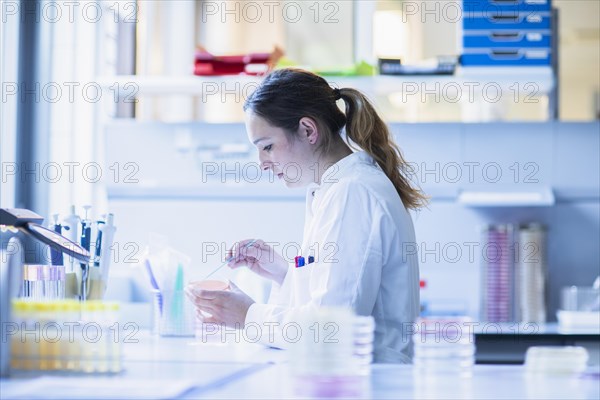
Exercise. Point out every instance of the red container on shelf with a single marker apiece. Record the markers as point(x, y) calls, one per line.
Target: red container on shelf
point(207, 64)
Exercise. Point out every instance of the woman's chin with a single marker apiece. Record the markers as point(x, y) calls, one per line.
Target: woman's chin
point(293, 184)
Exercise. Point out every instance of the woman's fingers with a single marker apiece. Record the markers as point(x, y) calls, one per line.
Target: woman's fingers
point(235, 249)
point(237, 264)
point(210, 320)
point(210, 301)
point(247, 249)
point(200, 302)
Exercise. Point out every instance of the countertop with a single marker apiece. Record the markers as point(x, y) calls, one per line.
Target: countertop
point(187, 368)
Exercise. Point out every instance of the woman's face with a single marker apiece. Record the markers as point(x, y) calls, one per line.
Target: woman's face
point(293, 161)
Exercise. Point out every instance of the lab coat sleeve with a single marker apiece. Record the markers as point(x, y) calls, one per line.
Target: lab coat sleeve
point(280, 294)
point(347, 269)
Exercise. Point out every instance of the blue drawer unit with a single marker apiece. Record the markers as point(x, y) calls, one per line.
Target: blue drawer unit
point(487, 6)
point(509, 21)
point(507, 57)
point(507, 33)
point(507, 39)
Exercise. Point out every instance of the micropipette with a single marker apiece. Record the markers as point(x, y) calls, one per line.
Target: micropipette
point(250, 243)
point(108, 236)
point(86, 233)
point(98, 244)
point(56, 255)
point(71, 224)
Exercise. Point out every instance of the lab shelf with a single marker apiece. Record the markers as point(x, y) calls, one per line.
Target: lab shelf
point(540, 197)
point(220, 192)
point(135, 86)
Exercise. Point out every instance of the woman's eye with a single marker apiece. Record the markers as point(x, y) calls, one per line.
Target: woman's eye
point(267, 148)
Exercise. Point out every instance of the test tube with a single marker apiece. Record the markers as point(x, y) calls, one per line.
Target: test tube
point(114, 353)
point(17, 346)
point(72, 348)
point(30, 350)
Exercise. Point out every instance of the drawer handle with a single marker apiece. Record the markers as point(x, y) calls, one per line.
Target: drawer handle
point(506, 36)
point(506, 54)
point(516, 2)
point(505, 18)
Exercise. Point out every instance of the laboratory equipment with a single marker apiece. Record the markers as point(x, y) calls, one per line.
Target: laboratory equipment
point(71, 224)
point(580, 298)
point(497, 294)
point(154, 285)
point(54, 336)
point(101, 266)
point(330, 354)
point(443, 344)
point(98, 247)
point(580, 309)
point(57, 256)
point(530, 274)
point(28, 222)
point(173, 314)
point(556, 360)
point(43, 282)
point(168, 272)
point(26, 232)
point(86, 240)
point(207, 332)
point(209, 285)
point(247, 245)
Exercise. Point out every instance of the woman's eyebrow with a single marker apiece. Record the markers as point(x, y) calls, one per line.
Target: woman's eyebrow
point(258, 140)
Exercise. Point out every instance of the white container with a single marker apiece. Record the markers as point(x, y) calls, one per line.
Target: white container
point(576, 321)
point(333, 355)
point(579, 298)
point(173, 314)
point(444, 345)
point(557, 360)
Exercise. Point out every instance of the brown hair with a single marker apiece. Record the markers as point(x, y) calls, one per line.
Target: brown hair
point(287, 95)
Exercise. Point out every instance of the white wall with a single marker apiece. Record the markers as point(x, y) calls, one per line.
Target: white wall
point(9, 40)
point(579, 58)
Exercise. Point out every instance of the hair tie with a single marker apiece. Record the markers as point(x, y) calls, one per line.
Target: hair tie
point(337, 94)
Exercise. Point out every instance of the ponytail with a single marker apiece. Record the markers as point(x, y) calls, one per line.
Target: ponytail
point(365, 128)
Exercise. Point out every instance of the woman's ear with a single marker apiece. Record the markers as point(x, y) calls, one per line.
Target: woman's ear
point(309, 130)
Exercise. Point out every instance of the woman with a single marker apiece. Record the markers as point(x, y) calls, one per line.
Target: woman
point(357, 223)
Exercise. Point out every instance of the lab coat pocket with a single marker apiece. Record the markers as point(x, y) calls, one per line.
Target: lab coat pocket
point(302, 284)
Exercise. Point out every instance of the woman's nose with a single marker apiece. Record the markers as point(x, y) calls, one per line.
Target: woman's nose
point(264, 164)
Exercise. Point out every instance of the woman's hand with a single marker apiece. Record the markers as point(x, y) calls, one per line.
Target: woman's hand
point(227, 307)
point(260, 258)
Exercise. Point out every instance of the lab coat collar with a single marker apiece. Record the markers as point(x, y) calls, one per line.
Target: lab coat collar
point(338, 170)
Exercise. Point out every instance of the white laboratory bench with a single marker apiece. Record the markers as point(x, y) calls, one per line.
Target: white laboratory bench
point(187, 368)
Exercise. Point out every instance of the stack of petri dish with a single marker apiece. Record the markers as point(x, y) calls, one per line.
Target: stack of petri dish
point(556, 360)
point(497, 295)
point(530, 282)
point(333, 354)
point(444, 345)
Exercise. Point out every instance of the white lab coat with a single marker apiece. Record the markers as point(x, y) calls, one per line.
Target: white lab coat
point(363, 241)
